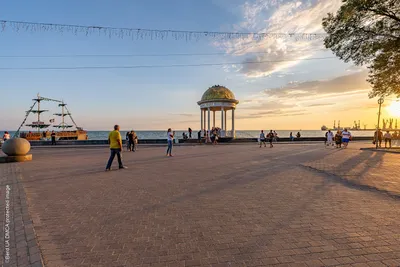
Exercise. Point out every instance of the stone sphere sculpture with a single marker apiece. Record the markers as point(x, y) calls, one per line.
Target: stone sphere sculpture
point(16, 147)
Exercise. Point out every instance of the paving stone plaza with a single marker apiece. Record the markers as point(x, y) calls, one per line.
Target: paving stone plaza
point(226, 205)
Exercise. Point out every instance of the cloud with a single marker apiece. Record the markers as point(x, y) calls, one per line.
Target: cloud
point(188, 121)
point(278, 16)
point(349, 84)
point(304, 98)
point(252, 11)
point(321, 105)
point(265, 105)
point(275, 113)
point(184, 114)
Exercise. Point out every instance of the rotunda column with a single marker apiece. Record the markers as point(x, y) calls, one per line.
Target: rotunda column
point(213, 118)
point(233, 123)
point(222, 122)
point(209, 120)
point(201, 119)
point(204, 120)
point(225, 128)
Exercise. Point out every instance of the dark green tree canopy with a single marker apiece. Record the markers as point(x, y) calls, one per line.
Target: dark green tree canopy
point(367, 32)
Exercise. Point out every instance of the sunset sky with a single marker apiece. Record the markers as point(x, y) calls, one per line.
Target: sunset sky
point(302, 93)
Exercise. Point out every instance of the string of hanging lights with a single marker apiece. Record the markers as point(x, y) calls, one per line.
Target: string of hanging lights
point(147, 34)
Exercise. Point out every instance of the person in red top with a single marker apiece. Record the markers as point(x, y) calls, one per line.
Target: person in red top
point(6, 136)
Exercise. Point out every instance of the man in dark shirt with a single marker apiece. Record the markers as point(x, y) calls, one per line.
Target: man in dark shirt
point(131, 141)
point(270, 137)
point(199, 136)
point(53, 138)
point(378, 136)
point(190, 133)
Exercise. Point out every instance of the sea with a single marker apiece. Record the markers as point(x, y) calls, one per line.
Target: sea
point(103, 135)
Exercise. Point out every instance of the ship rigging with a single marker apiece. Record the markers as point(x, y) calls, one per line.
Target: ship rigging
point(78, 134)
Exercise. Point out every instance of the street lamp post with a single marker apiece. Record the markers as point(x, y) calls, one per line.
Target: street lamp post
point(380, 102)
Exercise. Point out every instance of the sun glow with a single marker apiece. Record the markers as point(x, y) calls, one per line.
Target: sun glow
point(394, 108)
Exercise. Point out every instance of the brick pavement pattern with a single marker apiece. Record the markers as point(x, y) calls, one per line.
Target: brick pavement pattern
point(18, 245)
point(378, 170)
point(231, 205)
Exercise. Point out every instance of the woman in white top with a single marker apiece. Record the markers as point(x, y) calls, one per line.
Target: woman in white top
point(170, 138)
point(346, 137)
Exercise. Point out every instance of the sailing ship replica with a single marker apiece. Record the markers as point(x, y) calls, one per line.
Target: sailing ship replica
point(77, 134)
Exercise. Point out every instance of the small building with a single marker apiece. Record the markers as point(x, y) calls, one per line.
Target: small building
point(218, 99)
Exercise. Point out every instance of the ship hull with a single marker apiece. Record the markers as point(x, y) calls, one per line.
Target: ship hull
point(63, 135)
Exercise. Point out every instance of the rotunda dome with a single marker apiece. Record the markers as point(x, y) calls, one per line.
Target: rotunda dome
point(218, 92)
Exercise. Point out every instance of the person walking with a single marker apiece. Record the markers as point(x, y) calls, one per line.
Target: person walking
point(326, 138)
point(346, 137)
point(135, 141)
point(127, 141)
point(214, 136)
point(190, 133)
point(388, 139)
point(170, 139)
point(378, 136)
point(270, 137)
point(329, 138)
point(275, 136)
point(262, 139)
point(199, 136)
point(115, 141)
point(338, 139)
point(53, 138)
point(131, 141)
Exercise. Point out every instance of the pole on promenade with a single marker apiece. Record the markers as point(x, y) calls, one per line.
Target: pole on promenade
point(380, 102)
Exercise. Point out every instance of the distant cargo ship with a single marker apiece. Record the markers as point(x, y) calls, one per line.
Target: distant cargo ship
point(387, 125)
point(77, 134)
point(324, 128)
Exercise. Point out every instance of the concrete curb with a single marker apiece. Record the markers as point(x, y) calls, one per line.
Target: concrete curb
point(384, 150)
point(177, 145)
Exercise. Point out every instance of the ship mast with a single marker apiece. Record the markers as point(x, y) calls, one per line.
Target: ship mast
point(63, 118)
point(37, 124)
point(40, 124)
point(63, 125)
point(38, 110)
point(65, 112)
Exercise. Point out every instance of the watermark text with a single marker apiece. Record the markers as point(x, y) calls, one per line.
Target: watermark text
point(7, 226)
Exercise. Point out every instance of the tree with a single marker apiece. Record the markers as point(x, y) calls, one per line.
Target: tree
point(367, 32)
